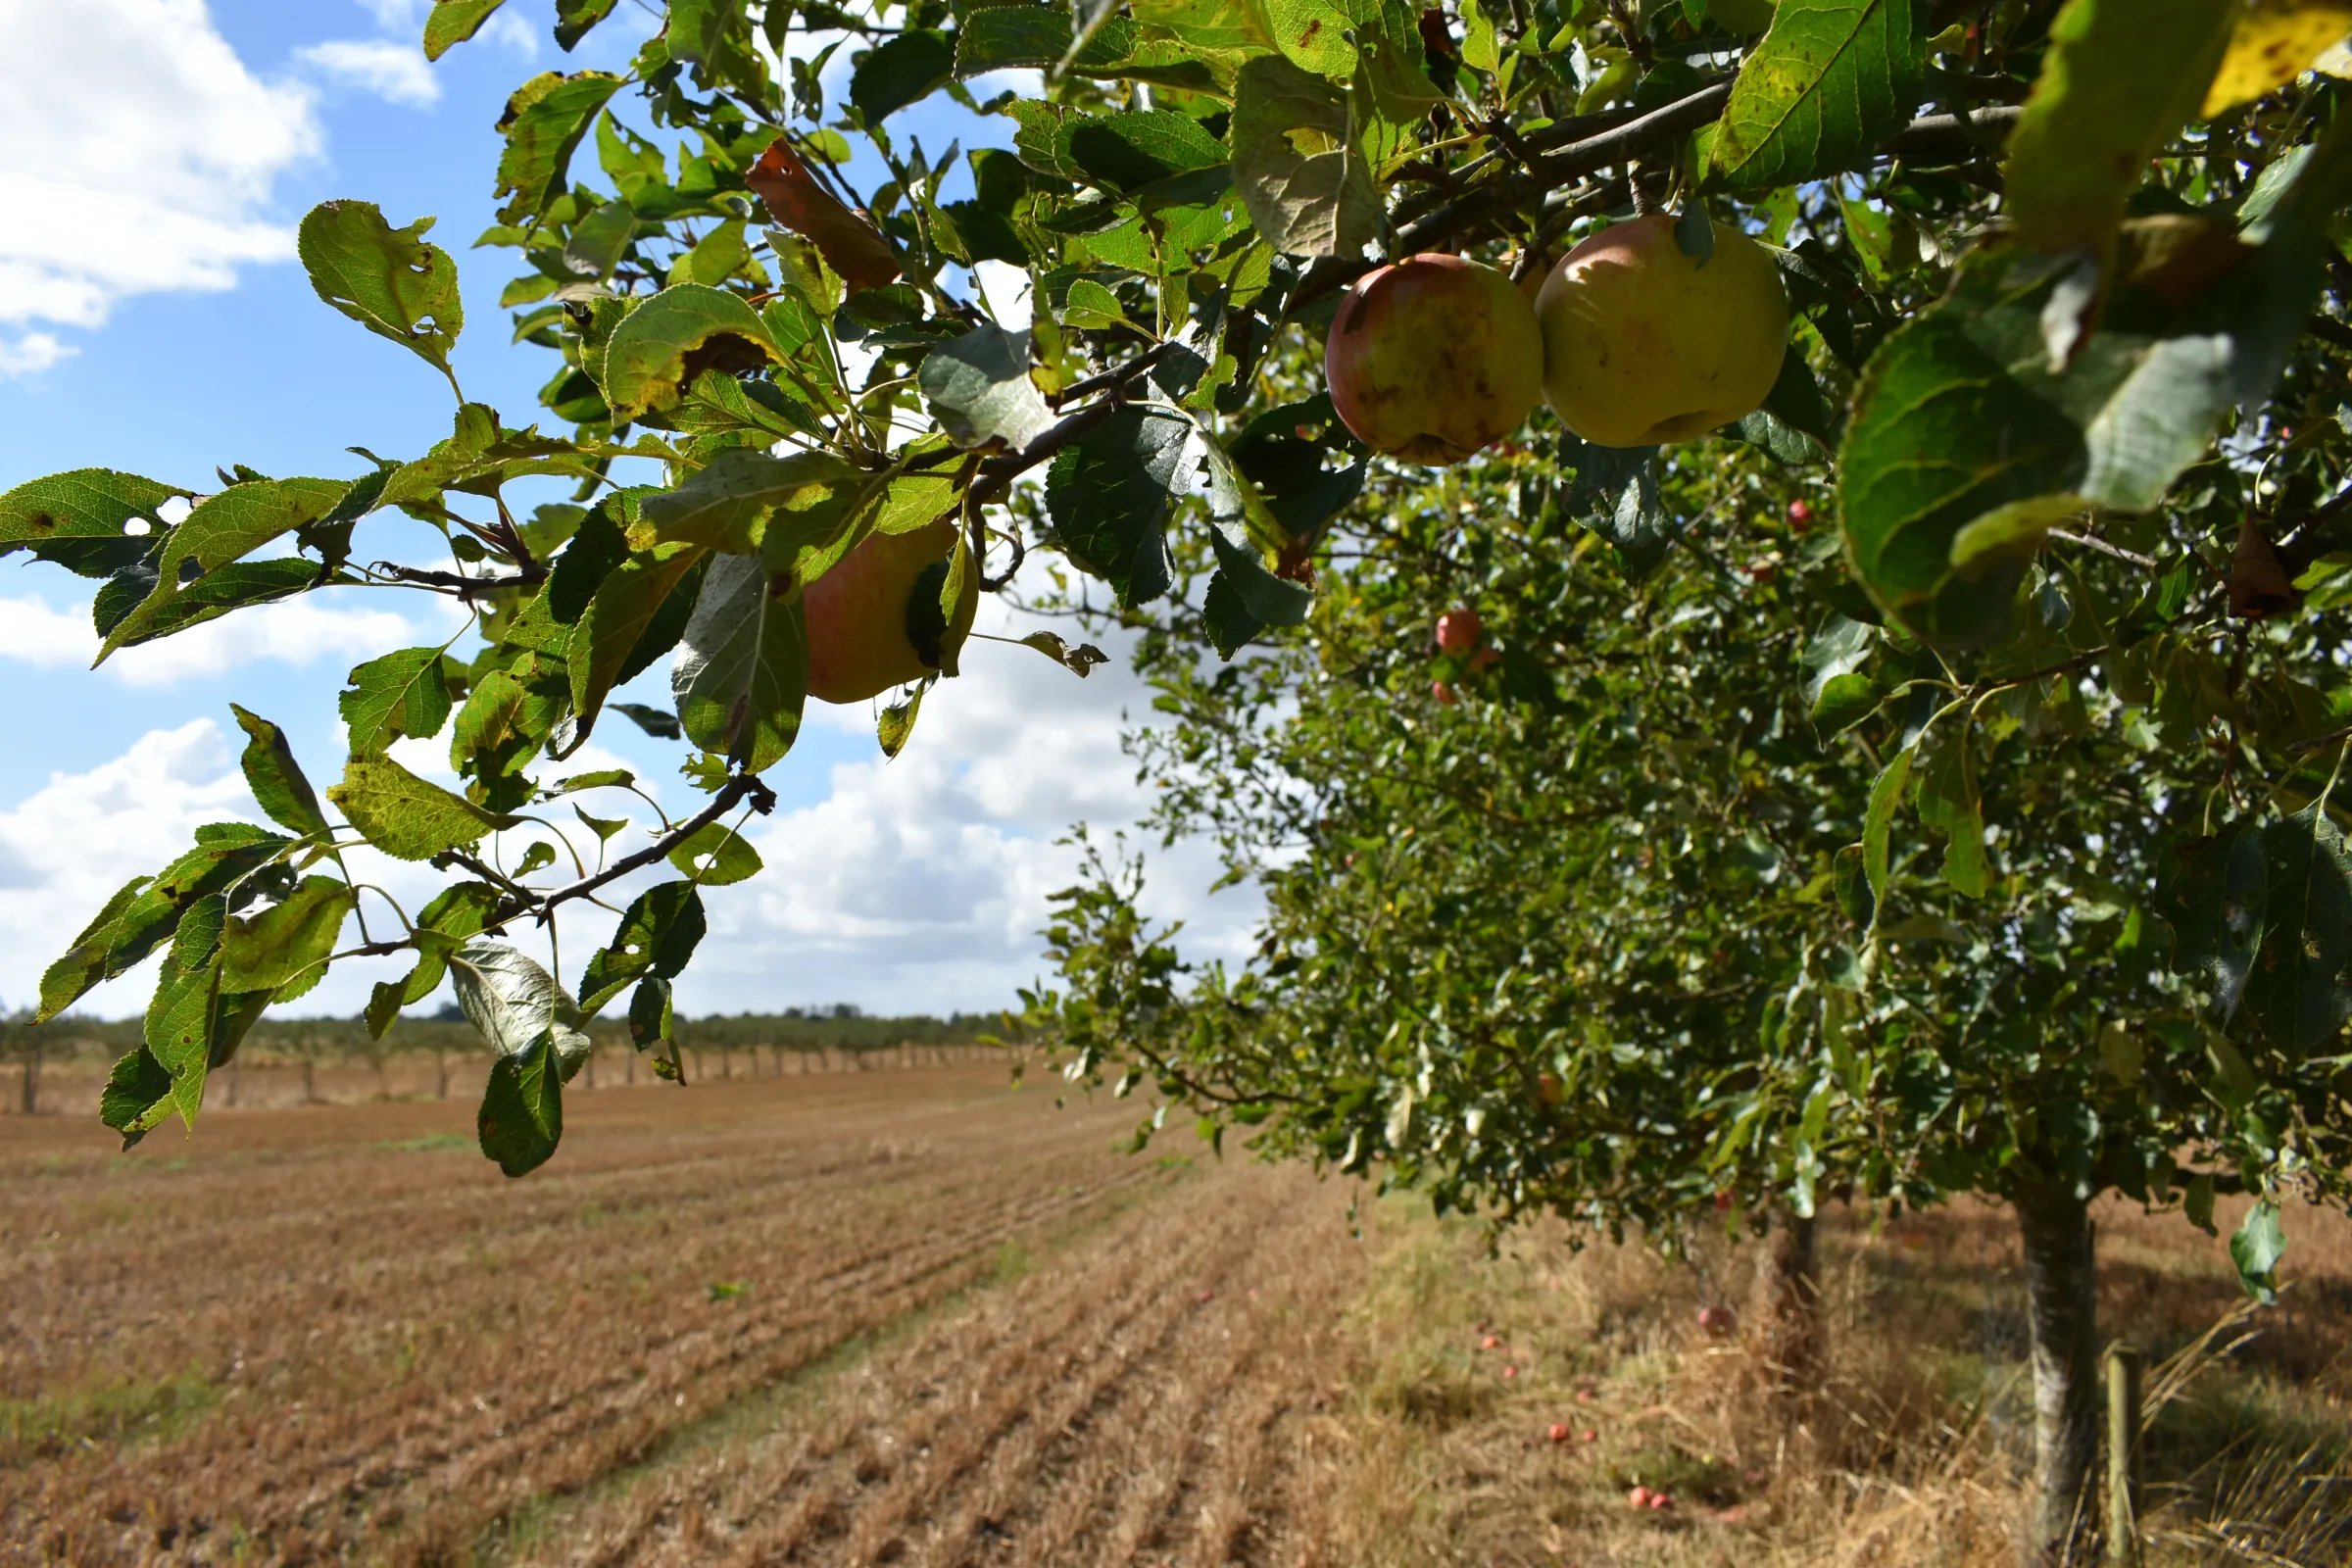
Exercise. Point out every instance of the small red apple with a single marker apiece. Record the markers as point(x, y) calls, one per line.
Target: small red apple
point(1460, 632)
point(1638, 1497)
point(1583, 1395)
point(1209, 1295)
point(1589, 1436)
point(1443, 693)
point(1557, 1432)
point(1548, 1089)
point(1800, 515)
point(1510, 1372)
point(1723, 1200)
point(1484, 659)
point(1490, 1343)
point(1661, 1500)
point(1718, 1322)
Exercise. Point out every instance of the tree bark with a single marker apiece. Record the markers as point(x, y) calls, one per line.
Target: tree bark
point(1791, 1304)
point(32, 1079)
point(2062, 1308)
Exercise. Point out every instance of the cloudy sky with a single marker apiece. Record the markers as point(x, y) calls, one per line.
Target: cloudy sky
point(152, 319)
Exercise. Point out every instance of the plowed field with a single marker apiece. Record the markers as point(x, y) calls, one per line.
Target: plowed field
point(916, 1317)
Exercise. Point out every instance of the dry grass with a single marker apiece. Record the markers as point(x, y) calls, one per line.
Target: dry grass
point(1914, 1451)
point(921, 1318)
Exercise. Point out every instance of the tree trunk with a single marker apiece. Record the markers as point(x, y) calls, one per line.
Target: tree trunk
point(440, 1073)
point(2062, 1308)
point(628, 1069)
point(310, 1094)
point(33, 1080)
point(588, 1069)
point(1791, 1301)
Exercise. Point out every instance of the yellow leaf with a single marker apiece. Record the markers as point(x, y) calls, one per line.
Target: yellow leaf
point(2274, 42)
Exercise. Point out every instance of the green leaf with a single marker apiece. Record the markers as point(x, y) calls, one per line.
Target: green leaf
point(1886, 795)
point(145, 911)
point(512, 1002)
point(1308, 188)
point(660, 349)
point(2296, 988)
point(651, 1024)
point(895, 727)
point(136, 1097)
point(400, 693)
point(2119, 79)
point(657, 936)
point(1109, 493)
point(183, 1014)
point(979, 389)
point(902, 71)
point(1079, 660)
point(190, 585)
point(2256, 1247)
point(1830, 81)
point(1948, 803)
point(276, 779)
point(727, 505)
point(1128, 152)
point(601, 545)
point(405, 816)
point(620, 619)
point(574, 18)
point(544, 122)
point(507, 718)
point(387, 279)
point(1245, 599)
point(522, 1119)
point(742, 671)
point(2196, 1202)
point(456, 912)
point(81, 504)
point(452, 21)
point(654, 721)
point(716, 855)
point(285, 942)
point(1616, 496)
point(2214, 892)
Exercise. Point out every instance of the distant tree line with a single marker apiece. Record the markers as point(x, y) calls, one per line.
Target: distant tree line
point(840, 1029)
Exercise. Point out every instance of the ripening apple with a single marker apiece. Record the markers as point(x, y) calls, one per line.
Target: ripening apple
point(1443, 693)
point(1638, 1497)
point(1434, 358)
point(1800, 515)
point(1645, 345)
point(863, 615)
point(1557, 1432)
point(1460, 632)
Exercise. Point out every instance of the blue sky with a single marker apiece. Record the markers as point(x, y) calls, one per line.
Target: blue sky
point(152, 319)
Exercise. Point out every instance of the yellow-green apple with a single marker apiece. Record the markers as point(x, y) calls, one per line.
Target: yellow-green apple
point(866, 614)
point(1643, 344)
point(1434, 358)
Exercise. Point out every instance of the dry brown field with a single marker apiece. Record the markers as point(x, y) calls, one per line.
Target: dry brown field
point(925, 1317)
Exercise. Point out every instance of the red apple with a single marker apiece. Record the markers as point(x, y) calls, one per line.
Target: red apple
point(1638, 1497)
point(1661, 1499)
point(1800, 515)
point(1557, 1432)
point(1510, 1372)
point(1460, 632)
point(859, 615)
point(1490, 1343)
point(1718, 1322)
point(1443, 693)
point(1723, 1200)
point(1643, 344)
point(1589, 1436)
point(1433, 357)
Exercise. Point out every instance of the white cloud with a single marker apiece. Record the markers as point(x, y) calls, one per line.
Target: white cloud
point(516, 34)
point(140, 156)
point(299, 632)
point(396, 73)
point(32, 352)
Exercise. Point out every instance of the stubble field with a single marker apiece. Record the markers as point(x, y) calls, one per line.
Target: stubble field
point(924, 1317)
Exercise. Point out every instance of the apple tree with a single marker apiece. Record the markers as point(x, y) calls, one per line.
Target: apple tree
point(2024, 864)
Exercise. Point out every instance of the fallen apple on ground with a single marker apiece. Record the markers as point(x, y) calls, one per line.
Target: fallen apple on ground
point(1643, 344)
point(1434, 358)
